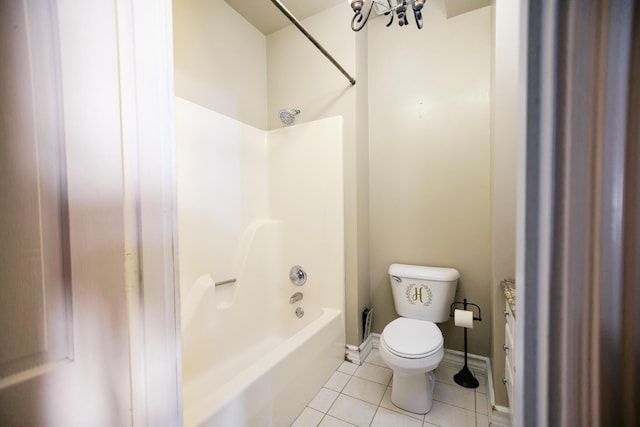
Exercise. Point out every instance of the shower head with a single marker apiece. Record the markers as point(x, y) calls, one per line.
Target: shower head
point(288, 117)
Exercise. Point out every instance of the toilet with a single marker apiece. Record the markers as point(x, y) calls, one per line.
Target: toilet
point(412, 345)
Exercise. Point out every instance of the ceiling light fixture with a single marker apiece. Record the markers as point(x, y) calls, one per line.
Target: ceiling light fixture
point(385, 7)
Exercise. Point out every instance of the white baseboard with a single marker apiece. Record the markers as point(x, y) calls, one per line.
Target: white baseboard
point(455, 358)
point(357, 355)
point(480, 365)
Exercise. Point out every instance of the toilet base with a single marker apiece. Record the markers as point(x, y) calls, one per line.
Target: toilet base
point(413, 393)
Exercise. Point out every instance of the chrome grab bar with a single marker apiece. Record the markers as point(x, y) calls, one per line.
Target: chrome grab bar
point(225, 282)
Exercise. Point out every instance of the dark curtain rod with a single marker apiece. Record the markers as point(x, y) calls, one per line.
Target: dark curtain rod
point(304, 31)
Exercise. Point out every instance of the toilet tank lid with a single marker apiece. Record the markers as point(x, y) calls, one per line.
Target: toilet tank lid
point(442, 274)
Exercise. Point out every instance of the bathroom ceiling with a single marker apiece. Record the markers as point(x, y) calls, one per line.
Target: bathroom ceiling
point(266, 17)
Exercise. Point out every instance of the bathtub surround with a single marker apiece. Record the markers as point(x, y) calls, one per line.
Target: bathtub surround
point(191, 297)
point(251, 205)
point(222, 191)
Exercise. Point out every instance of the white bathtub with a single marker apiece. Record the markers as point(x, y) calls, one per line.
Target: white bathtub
point(253, 362)
point(270, 384)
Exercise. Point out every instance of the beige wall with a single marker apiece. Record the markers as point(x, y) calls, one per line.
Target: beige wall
point(505, 129)
point(430, 158)
point(220, 60)
point(299, 76)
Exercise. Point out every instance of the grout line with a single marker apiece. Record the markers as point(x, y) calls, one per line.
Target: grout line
point(374, 415)
point(475, 405)
point(323, 417)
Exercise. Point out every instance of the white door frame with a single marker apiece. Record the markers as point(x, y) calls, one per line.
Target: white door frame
point(145, 40)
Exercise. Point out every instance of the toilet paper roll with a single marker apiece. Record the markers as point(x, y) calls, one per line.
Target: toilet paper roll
point(463, 318)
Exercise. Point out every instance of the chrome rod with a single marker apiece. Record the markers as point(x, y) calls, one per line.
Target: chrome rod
point(225, 282)
point(304, 31)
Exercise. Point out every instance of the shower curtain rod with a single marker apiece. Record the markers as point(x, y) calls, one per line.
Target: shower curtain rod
point(304, 31)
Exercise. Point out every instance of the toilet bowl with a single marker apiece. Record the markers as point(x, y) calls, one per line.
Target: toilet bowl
point(412, 349)
point(412, 345)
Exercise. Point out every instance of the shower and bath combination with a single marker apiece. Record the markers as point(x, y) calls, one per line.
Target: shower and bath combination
point(288, 117)
point(275, 330)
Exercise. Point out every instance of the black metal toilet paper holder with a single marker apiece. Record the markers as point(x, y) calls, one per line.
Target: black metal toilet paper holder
point(465, 377)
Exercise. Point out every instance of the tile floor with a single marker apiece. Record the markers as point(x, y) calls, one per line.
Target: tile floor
point(361, 396)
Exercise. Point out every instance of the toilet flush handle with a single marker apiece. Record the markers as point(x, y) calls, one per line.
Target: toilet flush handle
point(396, 279)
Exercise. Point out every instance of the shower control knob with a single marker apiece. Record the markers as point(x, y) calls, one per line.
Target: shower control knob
point(297, 275)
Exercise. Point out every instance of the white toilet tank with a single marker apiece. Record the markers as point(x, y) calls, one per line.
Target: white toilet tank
point(424, 293)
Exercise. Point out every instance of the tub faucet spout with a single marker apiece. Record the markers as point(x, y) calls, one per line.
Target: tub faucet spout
point(295, 298)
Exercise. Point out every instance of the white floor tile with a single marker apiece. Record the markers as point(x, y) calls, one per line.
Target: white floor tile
point(444, 374)
point(366, 390)
point(361, 396)
point(308, 418)
point(444, 415)
point(482, 405)
point(372, 372)
point(455, 395)
point(388, 404)
point(375, 358)
point(348, 367)
point(482, 387)
point(329, 421)
point(337, 381)
point(352, 410)
point(385, 418)
point(324, 399)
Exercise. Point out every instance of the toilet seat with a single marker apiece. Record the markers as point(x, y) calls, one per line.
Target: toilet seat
point(411, 338)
